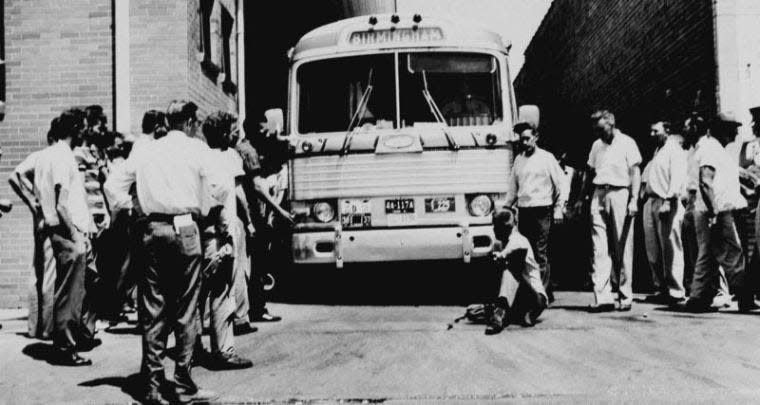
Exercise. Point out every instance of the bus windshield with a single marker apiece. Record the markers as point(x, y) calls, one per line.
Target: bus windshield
point(465, 87)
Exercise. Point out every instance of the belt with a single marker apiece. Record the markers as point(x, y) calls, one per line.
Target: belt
point(609, 187)
point(169, 218)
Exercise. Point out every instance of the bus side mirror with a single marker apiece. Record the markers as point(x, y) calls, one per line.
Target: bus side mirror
point(275, 120)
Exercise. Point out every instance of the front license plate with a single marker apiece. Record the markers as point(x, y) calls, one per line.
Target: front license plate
point(355, 214)
point(440, 204)
point(399, 206)
point(401, 219)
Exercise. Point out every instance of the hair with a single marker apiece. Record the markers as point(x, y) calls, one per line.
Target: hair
point(522, 126)
point(698, 122)
point(151, 119)
point(94, 114)
point(605, 115)
point(55, 128)
point(179, 111)
point(216, 127)
point(69, 123)
point(666, 125)
point(504, 216)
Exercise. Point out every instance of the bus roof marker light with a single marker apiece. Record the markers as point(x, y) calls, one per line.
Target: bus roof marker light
point(395, 19)
point(491, 139)
point(417, 18)
point(307, 147)
point(373, 20)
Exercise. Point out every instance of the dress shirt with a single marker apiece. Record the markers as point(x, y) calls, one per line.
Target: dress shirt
point(173, 176)
point(692, 181)
point(56, 166)
point(536, 180)
point(726, 183)
point(612, 163)
point(229, 166)
point(26, 167)
point(666, 174)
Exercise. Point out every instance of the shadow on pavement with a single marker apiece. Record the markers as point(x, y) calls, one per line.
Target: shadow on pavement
point(130, 385)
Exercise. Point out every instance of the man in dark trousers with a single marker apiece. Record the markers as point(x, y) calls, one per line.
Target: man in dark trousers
point(175, 185)
point(258, 164)
point(60, 191)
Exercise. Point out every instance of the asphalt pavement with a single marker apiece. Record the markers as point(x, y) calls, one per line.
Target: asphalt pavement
point(393, 353)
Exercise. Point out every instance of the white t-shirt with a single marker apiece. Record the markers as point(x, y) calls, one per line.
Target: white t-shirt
point(536, 179)
point(612, 163)
point(230, 165)
point(56, 166)
point(726, 183)
point(531, 272)
point(666, 174)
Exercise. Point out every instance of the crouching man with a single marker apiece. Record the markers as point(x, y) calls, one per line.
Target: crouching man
point(522, 297)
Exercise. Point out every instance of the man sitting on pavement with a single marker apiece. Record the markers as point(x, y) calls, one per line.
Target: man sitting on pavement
point(522, 297)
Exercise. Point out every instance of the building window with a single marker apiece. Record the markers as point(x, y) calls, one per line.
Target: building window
point(228, 24)
point(205, 45)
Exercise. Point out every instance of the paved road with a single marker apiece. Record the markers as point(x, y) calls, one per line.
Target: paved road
point(402, 354)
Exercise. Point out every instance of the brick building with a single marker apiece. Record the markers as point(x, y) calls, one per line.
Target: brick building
point(126, 55)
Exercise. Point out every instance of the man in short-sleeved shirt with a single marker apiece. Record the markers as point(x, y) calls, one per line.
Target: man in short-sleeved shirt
point(614, 163)
point(60, 191)
point(718, 196)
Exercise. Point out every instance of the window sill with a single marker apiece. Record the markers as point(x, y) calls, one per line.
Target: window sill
point(210, 69)
point(229, 87)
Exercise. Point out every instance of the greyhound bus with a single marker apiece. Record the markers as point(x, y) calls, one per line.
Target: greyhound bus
point(402, 133)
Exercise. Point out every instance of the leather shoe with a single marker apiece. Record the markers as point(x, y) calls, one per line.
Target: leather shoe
point(624, 307)
point(599, 308)
point(266, 317)
point(228, 362)
point(695, 307)
point(748, 305)
point(88, 345)
point(198, 395)
point(243, 329)
point(496, 323)
point(153, 397)
point(72, 359)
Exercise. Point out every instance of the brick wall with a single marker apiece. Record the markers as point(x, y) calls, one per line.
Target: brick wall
point(622, 55)
point(59, 54)
point(158, 55)
point(205, 89)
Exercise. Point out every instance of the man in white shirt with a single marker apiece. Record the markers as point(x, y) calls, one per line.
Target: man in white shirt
point(522, 297)
point(665, 179)
point(716, 232)
point(219, 285)
point(613, 171)
point(40, 322)
point(536, 189)
point(175, 186)
point(59, 188)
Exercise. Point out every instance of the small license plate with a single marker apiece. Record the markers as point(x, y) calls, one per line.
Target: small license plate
point(355, 214)
point(399, 206)
point(440, 204)
point(401, 219)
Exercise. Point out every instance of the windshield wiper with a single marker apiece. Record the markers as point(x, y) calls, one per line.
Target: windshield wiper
point(437, 113)
point(355, 119)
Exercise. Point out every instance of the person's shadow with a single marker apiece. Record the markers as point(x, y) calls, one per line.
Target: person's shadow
point(132, 385)
point(41, 351)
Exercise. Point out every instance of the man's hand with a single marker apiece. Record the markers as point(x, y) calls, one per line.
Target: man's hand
point(559, 215)
point(665, 208)
point(633, 208)
point(578, 208)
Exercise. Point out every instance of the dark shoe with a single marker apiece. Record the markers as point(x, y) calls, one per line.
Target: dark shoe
point(72, 359)
point(153, 397)
point(673, 301)
point(599, 308)
point(658, 298)
point(198, 396)
point(265, 317)
point(695, 307)
point(228, 362)
point(624, 307)
point(496, 323)
point(243, 329)
point(528, 320)
point(200, 357)
point(748, 305)
point(88, 345)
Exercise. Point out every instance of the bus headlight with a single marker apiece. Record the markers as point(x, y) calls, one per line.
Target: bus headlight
point(480, 205)
point(323, 211)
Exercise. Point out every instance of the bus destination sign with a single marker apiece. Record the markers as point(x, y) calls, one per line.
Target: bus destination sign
point(421, 34)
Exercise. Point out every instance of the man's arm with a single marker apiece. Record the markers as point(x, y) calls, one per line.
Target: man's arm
point(633, 204)
point(61, 207)
point(118, 184)
point(261, 187)
point(707, 187)
point(26, 194)
point(513, 187)
point(242, 206)
point(587, 177)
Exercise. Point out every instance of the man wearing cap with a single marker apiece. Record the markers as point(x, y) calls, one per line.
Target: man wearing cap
point(613, 171)
point(175, 185)
point(535, 187)
point(717, 239)
point(665, 179)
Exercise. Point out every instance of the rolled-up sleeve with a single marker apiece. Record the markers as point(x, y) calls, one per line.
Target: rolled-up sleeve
point(118, 184)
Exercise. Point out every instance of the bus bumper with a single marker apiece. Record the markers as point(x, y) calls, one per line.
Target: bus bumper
point(340, 246)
